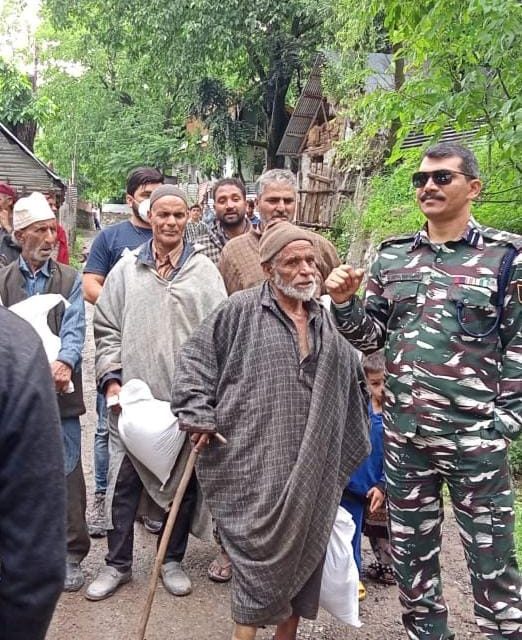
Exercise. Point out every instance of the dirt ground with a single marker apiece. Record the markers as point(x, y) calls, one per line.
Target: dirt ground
point(205, 613)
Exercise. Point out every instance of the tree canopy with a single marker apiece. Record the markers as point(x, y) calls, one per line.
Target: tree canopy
point(144, 70)
point(456, 64)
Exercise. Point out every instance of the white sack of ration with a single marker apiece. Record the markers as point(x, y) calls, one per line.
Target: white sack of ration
point(148, 429)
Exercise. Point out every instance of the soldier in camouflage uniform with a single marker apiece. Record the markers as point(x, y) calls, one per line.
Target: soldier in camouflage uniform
point(453, 348)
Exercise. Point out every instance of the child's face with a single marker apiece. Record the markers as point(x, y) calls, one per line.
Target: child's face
point(376, 385)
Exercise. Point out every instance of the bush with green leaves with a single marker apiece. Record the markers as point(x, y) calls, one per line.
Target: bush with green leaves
point(515, 457)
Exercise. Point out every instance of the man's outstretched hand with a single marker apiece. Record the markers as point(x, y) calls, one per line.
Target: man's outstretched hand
point(343, 283)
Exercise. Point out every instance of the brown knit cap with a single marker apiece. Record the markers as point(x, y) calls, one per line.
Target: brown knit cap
point(167, 190)
point(277, 235)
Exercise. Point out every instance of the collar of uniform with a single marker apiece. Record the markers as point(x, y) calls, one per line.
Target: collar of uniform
point(472, 235)
point(45, 269)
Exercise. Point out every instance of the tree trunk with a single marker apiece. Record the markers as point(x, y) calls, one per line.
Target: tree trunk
point(277, 116)
point(398, 82)
point(26, 133)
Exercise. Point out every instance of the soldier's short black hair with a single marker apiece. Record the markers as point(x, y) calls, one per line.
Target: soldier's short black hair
point(468, 161)
point(143, 175)
point(235, 182)
point(374, 363)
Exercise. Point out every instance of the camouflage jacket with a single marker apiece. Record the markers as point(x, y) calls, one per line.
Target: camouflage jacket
point(441, 379)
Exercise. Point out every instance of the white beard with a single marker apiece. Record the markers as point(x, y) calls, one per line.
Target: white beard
point(297, 294)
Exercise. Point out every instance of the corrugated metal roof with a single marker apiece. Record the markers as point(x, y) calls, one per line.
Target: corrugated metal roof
point(304, 113)
point(418, 139)
point(22, 169)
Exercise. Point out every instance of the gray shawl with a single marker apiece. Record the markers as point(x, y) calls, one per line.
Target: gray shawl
point(295, 432)
point(140, 322)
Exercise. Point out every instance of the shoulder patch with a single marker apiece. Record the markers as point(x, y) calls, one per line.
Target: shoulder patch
point(397, 240)
point(503, 237)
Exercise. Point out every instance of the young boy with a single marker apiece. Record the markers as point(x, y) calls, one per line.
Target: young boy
point(364, 494)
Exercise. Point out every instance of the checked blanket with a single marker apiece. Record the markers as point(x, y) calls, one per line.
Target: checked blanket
point(295, 428)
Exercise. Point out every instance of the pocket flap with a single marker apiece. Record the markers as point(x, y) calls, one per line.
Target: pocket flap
point(401, 290)
point(471, 296)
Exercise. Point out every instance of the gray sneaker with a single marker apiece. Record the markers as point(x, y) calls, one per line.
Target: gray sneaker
point(106, 583)
point(152, 526)
point(74, 578)
point(175, 580)
point(96, 522)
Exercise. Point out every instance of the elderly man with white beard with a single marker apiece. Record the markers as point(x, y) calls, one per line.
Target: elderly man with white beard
point(269, 372)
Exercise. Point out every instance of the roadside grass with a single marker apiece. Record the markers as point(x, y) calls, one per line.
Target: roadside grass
point(76, 257)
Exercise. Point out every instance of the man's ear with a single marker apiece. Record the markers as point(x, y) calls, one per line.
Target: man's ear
point(268, 270)
point(475, 187)
point(128, 200)
point(19, 236)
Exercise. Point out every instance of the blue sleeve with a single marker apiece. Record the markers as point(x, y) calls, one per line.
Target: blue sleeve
point(72, 331)
point(99, 260)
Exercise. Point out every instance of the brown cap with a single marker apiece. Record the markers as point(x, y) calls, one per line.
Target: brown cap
point(167, 190)
point(277, 235)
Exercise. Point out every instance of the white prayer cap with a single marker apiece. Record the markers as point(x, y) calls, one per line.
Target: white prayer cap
point(33, 208)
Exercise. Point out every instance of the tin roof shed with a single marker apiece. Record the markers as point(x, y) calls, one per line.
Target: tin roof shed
point(20, 168)
point(304, 114)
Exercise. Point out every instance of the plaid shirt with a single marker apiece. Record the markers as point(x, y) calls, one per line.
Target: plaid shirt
point(214, 240)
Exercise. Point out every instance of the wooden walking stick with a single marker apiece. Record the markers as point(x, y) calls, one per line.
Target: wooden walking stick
point(169, 525)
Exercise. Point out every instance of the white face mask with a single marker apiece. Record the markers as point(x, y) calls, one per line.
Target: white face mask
point(143, 209)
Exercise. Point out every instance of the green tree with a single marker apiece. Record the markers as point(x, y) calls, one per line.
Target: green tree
point(108, 115)
point(461, 67)
point(255, 50)
point(21, 108)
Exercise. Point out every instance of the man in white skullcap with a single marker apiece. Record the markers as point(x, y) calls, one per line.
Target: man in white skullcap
point(34, 273)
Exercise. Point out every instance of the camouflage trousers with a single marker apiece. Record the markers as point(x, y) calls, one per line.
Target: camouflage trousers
point(476, 471)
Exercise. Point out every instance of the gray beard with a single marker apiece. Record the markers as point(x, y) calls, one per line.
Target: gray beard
point(297, 294)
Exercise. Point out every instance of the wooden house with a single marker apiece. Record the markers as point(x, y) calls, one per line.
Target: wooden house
point(20, 168)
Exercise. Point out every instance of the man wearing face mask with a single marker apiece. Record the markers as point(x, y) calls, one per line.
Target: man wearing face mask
point(107, 248)
point(276, 200)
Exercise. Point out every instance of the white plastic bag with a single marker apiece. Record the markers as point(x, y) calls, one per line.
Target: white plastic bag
point(35, 310)
point(148, 429)
point(340, 582)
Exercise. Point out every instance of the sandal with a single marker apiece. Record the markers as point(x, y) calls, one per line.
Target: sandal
point(382, 573)
point(220, 569)
point(361, 591)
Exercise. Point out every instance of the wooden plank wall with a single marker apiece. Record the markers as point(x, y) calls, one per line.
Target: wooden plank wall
point(325, 189)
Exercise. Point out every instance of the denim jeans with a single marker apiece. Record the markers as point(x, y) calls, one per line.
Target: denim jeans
point(101, 446)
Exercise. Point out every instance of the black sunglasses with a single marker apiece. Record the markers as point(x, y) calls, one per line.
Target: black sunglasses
point(440, 177)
